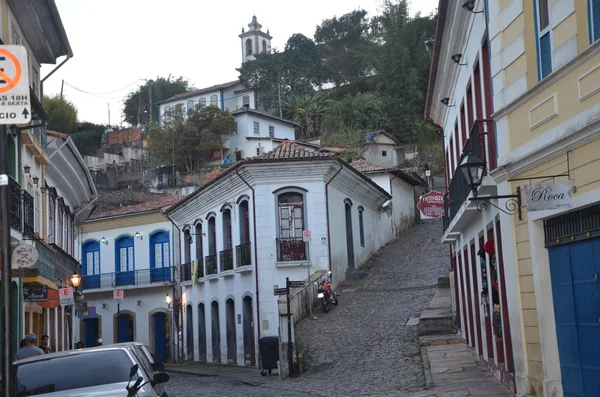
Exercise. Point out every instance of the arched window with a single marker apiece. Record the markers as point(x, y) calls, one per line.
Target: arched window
point(124, 261)
point(160, 261)
point(190, 105)
point(202, 102)
point(187, 246)
point(226, 256)
point(90, 257)
point(264, 46)
point(214, 100)
point(290, 207)
point(211, 258)
point(243, 250)
point(167, 113)
point(248, 46)
point(361, 225)
point(246, 101)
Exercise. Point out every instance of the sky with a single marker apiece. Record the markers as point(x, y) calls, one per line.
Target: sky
point(117, 43)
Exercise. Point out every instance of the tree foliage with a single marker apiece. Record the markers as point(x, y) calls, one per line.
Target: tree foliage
point(190, 136)
point(62, 114)
point(137, 103)
point(88, 137)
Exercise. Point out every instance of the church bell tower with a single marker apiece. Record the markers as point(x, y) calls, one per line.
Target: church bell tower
point(254, 41)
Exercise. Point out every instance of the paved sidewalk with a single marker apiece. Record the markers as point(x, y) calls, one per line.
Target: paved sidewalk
point(246, 375)
point(452, 370)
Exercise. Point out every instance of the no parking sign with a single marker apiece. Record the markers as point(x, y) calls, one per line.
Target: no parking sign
point(118, 295)
point(66, 296)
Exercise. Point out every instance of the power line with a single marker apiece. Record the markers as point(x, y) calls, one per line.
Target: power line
point(102, 93)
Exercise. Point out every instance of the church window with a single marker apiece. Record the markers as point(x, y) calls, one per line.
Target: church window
point(246, 101)
point(256, 128)
point(264, 46)
point(249, 47)
point(202, 102)
point(213, 100)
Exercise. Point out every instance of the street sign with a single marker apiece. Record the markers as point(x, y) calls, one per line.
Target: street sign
point(280, 291)
point(431, 204)
point(80, 306)
point(24, 255)
point(297, 284)
point(89, 312)
point(15, 101)
point(306, 235)
point(25, 272)
point(66, 296)
point(35, 293)
point(118, 295)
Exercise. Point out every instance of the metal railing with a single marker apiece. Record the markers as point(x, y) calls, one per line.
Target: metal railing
point(243, 255)
point(14, 202)
point(186, 272)
point(446, 215)
point(290, 249)
point(211, 264)
point(226, 259)
point(28, 214)
point(159, 275)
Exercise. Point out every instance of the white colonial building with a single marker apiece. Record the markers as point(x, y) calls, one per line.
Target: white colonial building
point(129, 249)
point(242, 236)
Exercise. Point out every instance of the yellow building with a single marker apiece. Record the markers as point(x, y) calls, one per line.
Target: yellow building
point(545, 69)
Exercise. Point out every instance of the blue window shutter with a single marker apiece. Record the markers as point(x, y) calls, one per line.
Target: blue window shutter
point(595, 11)
point(546, 55)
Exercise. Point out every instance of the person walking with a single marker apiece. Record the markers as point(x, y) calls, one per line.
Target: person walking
point(30, 349)
point(44, 346)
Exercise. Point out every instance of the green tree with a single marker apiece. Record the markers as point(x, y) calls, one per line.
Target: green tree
point(189, 137)
point(62, 114)
point(88, 137)
point(137, 103)
point(306, 110)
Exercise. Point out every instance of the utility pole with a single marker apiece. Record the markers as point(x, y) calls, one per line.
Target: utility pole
point(150, 99)
point(173, 162)
point(290, 350)
point(139, 107)
point(6, 318)
point(62, 85)
point(279, 94)
point(108, 104)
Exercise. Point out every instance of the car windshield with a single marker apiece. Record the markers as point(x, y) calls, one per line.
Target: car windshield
point(72, 372)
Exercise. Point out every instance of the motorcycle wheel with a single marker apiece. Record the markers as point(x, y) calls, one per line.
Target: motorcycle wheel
point(335, 301)
point(324, 305)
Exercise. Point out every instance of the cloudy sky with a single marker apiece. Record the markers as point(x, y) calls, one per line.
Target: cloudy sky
point(117, 43)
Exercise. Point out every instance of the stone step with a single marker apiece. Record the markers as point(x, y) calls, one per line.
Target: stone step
point(437, 318)
point(438, 340)
point(443, 282)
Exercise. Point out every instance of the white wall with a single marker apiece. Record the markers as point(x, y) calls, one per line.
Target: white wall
point(403, 201)
point(245, 128)
point(233, 97)
point(374, 155)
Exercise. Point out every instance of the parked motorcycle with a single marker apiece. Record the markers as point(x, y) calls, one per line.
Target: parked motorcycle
point(326, 294)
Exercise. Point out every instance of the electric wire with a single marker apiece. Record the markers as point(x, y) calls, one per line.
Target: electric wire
point(103, 93)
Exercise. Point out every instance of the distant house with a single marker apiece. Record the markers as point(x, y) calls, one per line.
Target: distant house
point(382, 149)
point(242, 236)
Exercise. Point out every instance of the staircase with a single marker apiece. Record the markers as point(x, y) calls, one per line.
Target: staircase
point(437, 318)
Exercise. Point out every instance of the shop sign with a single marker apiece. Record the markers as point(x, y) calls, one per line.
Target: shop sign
point(548, 196)
point(431, 204)
point(35, 293)
point(24, 255)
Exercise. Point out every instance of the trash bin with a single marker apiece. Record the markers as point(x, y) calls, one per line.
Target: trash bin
point(269, 353)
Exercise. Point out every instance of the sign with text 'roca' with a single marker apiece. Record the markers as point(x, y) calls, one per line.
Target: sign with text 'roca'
point(15, 101)
point(431, 204)
point(548, 196)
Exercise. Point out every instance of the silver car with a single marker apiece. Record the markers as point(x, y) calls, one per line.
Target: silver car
point(103, 371)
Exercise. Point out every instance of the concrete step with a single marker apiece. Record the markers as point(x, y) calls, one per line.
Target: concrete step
point(437, 318)
point(438, 340)
point(443, 282)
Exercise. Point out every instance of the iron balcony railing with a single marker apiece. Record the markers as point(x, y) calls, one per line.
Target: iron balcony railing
point(186, 272)
point(243, 255)
point(226, 259)
point(290, 249)
point(446, 215)
point(28, 214)
point(14, 203)
point(211, 264)
point(144, 277)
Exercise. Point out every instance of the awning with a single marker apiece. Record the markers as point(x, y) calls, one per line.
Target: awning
point(53, 300)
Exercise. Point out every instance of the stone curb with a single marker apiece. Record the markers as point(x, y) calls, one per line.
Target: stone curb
point(189, 372)
point(429, 383)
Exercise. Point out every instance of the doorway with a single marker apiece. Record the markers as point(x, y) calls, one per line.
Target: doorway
point(189, 328)
point(125, 328)
point(349, 235)
point(90, 331)
point(230, 331)
point(159, 322)
point(216, 332)
point(249, 352)
point(201, 333)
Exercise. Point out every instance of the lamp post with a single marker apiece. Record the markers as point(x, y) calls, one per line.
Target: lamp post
point(168, 301)
point(473, 168)
point(76, 283)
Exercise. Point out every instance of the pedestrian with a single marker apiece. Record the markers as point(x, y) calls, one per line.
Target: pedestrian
point(99, 342)
point(22, 343)
point(79, 345)
point(44, 346)
point(30, 349)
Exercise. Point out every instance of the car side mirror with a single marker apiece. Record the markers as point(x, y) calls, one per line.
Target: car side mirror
point(158, 367)
point(160, 377)
point(133, 371)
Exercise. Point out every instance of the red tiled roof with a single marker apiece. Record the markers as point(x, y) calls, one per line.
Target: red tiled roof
point(122, 202)
point(365, 167)
point(332, 149)
point(290, 150)
point(201, 90)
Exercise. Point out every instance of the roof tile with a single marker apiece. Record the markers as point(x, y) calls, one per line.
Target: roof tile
point(364, 166)
point(202, 90)
point(126, 202)
point(290, 150)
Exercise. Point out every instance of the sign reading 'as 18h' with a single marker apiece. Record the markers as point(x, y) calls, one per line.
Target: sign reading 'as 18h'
point(15, 103)
point(548, 196)
point(431, 204)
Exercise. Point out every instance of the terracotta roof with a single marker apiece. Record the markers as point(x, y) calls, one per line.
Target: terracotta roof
point(290, 150)
point(128, 202)
point(57, 134)
point(201, 91)
point(332, 149)
point(365, 167)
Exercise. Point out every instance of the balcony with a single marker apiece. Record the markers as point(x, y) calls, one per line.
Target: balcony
point(290, 249)
point(243, 255)
point(186, 272)
point(28, 214)
point(211, 264)
point(144, 277)
point(14, 202)
point(226, 259)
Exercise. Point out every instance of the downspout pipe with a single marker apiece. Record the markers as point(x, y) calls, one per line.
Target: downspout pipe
point(237, 171)
point(327, 211)
point(55, 69)
point(175, 333)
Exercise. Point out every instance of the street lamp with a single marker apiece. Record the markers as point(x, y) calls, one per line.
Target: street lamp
point(472, 168)
point(168, 300)
point(76, 280)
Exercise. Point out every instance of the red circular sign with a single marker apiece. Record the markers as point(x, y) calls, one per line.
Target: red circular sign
point(431, 204)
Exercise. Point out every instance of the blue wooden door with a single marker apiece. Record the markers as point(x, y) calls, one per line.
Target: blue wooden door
point(125, 261)
point(575, 272)
point(91, 265)
point(125, 328)
point(160, 264)
point(160, 336)
point(90, 327)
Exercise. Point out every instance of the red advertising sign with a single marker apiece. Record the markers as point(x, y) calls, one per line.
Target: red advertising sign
point(431, 204)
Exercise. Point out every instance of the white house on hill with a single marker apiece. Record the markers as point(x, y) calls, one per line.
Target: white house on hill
point(242, 236)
